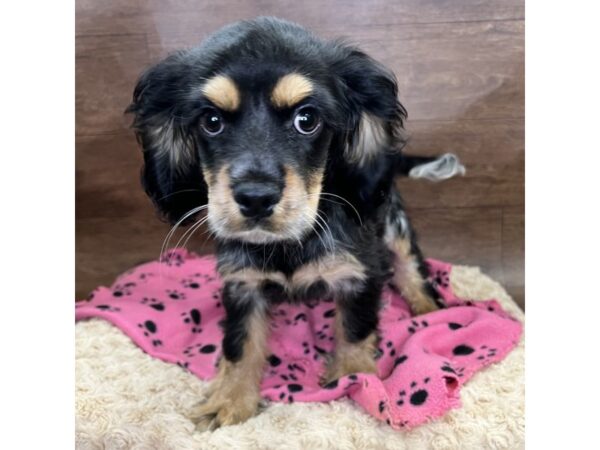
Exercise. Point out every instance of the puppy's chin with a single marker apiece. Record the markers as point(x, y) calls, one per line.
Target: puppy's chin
point(258, 233)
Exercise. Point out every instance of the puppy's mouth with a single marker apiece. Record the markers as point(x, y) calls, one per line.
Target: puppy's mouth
point(258, 213)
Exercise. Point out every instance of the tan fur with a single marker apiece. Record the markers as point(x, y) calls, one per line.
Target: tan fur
point(290, 90)
point(408, 279)
point(350, 357)
point(292, 216)
point(222, 91)
point(234, 395)
point(252, 277)
point(168, 141)
point(333, 269)
point(372, 138)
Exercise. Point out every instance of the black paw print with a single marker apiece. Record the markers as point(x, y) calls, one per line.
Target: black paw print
point(153, 303)
point(329, 313)
point(190, 284)
point(194, 318)
point(108, 308)
point(322, 334)
point(172, 259)
point(440, 279)
point(414, 325)
point(458, 371)
point(175, 294)
point(418, 396)
point(183, 365)
point(217, 297)
point(390, 347)
point(150, 328)
point(486, 353)
point(318, 352)
point(123, 289)
point(194, 350)
point(301, 317)
point(306, 348)
point(145, 275)
point(400, 360)
point(462, 350)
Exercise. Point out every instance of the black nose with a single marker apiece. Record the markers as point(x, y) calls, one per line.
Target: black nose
point(256, 200)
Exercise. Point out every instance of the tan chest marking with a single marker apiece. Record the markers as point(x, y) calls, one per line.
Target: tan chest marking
point(338, 271)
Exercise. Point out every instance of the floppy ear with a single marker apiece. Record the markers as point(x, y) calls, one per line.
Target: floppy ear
point(172, 173)
point(370, 99)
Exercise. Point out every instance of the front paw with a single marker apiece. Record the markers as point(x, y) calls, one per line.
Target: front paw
point(423, 307)
point(357, 360)
point(225, 408)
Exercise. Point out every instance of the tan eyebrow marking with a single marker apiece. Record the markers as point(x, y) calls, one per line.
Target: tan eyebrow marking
point(290, 89)
point(222, 91)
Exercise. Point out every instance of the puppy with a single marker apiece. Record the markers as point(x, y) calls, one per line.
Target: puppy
point(291, 143)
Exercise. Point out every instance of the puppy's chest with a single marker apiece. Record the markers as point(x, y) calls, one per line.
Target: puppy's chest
point(339, 272)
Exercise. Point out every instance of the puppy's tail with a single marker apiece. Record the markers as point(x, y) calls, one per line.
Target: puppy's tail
point(432, 168)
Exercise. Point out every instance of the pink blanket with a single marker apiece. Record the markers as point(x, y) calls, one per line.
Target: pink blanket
point(172, 309)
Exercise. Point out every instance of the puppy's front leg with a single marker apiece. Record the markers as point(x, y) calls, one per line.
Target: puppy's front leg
point(356, 322)
point(234, 394)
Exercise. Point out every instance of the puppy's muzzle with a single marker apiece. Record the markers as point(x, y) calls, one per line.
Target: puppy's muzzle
point(256, 200)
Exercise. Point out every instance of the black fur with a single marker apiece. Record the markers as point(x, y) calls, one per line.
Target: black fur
point(168, 105)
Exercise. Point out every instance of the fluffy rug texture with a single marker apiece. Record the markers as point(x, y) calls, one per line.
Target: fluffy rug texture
point(127, 399)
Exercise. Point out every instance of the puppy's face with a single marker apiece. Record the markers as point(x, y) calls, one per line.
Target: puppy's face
point(253, 121)
point(263, 145)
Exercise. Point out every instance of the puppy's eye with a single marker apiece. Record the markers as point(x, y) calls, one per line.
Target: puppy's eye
point(211, 123)
point(307, 120)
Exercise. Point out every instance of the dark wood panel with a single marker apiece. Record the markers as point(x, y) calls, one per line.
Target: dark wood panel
point(108, 246)
point(106, 70)
point(513, 252)
point(164, 16)
point(108, 177)
point(468, 236)
point(492, 151)
point(445, 71)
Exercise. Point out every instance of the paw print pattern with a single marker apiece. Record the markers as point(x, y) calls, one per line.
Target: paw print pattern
point(150, 329)
point(183, 365)
point(319, 352)
point(206, 277)
point(108, 308)
point(416, 395)
point(323, 334)
point(216, 296)
point(144, 276)
point(199, 349)
point(172, 259)
point(390, 348)
point(193, 317)
point(190, 284)
point(175, 294)
point(440, 279)
point(153, 303)
point(123, 289)
point(462, 350)
point(486, 354)
point(414, 325)
point(458, 371)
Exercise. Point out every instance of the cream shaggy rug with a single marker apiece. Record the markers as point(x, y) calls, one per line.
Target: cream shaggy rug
point(128, 400)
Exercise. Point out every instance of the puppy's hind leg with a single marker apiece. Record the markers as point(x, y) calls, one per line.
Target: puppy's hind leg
point(410, 270)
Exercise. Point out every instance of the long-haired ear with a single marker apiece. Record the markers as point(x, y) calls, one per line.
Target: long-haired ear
point(370, 98)
point(172, 173)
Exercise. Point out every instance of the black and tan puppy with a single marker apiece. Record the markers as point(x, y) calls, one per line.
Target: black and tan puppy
point(293, 143)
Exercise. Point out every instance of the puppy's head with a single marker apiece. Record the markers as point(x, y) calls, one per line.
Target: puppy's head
point(252, 121)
